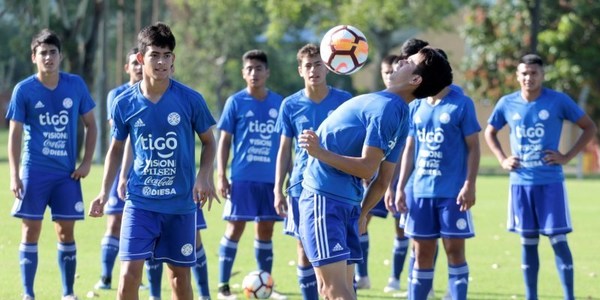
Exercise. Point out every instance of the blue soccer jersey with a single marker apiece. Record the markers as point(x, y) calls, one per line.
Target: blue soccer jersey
point(440, 156)
point(163, 137)
point(112, 95)
point(298, 113)
point(535, 127)
point(376, 120)
point(50, 121)
point(255, 140)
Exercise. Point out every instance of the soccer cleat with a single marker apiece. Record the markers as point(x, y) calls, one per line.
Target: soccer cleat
point(431, 294)
point(448, 295)
point(27, 297)
point(102, 285)
point(392, 286)
point(70, 297)
point(277, 296)
point(143, 287)
point(363, 283)
point(225, 293)
point(153, 298)
point(203, 298)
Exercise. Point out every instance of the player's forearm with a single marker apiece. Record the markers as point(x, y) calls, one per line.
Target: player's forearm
point(377, 188)
point(586, 136)
point(282, 165)
point(113, 160)
point(91, 134)
point(223, 155)
point(207, 157)
point(491, 138)
point(14, 152)
point(473, 159)
point(406, 164)
point(356, 166)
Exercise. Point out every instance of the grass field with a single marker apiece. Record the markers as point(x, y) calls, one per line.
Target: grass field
point(493, 255)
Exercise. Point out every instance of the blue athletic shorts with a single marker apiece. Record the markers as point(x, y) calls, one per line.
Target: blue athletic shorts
point(379, 210)
point(329, 229)
point(290, 223)
point(200, 221)
point(115, 204)
point(432, 218)
point(167, 238)
point(251, 201)
point(58, 191)
point(539, 209)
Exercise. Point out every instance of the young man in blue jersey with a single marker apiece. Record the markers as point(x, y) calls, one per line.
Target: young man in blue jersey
point(362, 137)
point(46, 107)
point(538, 200)
point(114, 208)
point(161, 117)
point(442, 152)
point(305, 109)
point(248, 122)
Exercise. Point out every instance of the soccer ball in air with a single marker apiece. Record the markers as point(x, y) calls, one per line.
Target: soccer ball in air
point(344, 49)
point(258, 285)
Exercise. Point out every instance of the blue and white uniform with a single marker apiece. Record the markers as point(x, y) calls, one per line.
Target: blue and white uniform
point(49, 156)
point(159, 201)
point(330, 202)
point(255, 144)
point(440, 166)
point(298, 113)
point(537, 203)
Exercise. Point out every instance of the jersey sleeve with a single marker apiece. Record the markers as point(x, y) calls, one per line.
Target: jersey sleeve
point(570, 110)
point(17, 108)
point(227, 120)
point(469, 124)
point(203, 119)
point(119, 129)
point(388, 132)
point(284, 122)
point(497, 119)
point(110, 99)
point(87, 103)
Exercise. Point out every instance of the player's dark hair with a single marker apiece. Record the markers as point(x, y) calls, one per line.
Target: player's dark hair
point(412, 46)
point(256, 54)
point(442, 53)
point(45, 36)
point(532, 59)
point(389, 59)
point(435, 72)
point(308, 50)
point(158, 35)
point(131, 52)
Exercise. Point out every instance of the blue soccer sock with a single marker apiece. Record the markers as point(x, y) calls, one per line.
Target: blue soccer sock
point(109, 250)
point(564, 264)
point(67, 264)
point(200, 271)
point(154, 270)
point(28, 260)
point(362, 268)
point(308, 282)
point(421, 283)
point(263, 252)
point(458, 281)
point(399, 256)
point(530, 264)
point(227, 252)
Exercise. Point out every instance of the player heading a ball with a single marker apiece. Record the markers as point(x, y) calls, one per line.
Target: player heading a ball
point(344, 49)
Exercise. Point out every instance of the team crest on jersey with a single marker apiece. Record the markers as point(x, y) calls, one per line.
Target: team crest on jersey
point(445, 118)
point(543, 114)
point(187, 249)
point(174, 118)
point(67, 103)
point(273, 113)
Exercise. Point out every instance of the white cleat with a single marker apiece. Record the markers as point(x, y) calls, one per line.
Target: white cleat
point(277, 296)
point(392, 286)
point(363, 283)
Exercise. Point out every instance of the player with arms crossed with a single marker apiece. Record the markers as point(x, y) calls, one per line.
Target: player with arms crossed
point(363, 136)
point(305, 109)
point(538, 199)
point(46, 107)
point(160, 116)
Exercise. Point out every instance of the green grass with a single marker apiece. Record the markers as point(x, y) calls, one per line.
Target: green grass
point(493, 246)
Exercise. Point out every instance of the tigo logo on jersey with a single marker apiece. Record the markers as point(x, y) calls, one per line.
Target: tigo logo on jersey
point(264, 129)
point(533, 134)
point(59, 121)
point(159, 144)
point(432, 139)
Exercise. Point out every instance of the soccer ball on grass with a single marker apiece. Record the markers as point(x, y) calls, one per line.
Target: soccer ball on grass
point(258, 285)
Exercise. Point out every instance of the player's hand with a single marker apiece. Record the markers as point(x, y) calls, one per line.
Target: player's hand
point(280, 204)
point(400, 203)
point(82, 171)
point(309, 141)
point(362, 223)
point(511, 163)
point(16, 186)
point(466, 197)
point(97, 206)
point(389, 198)
point(223, 187)
point(552, 157)
point(204, 192)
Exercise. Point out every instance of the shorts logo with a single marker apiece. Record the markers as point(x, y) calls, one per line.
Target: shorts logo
point(337, 247)
point(67, 103)
point(79, 206)
point(174, 118)
point(187, 249)
point(112, 201)
point(461, 224)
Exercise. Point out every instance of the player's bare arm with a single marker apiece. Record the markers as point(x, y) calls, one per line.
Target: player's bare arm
point(466, 196)
point(281, 169)
point(375, 191)
point(91, 132)
point(114, 156)
point(223, 186)
point(491, 137)
point(406, 167)
point(126, 165)
point(204, 190)
point(589, 130)
point(390, 194)
point(15, 138)
point(364, 166)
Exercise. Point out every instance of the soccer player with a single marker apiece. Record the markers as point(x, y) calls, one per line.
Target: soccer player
point(361, 137)
point(160, 117)
point(248, 121)
point(305, 109)
point(114, 208)
point(443, 148)
point(45, 107)
point(538, 199)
